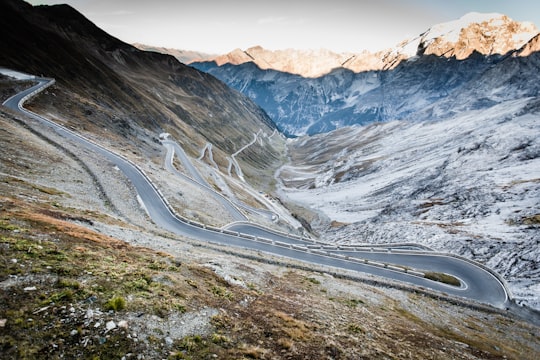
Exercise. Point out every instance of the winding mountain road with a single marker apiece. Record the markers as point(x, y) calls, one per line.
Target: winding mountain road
point(478, 284)
point(195, 177)
point(233, 205)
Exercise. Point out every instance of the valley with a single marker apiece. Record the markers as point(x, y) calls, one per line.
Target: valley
point(474, 283)
point(465, 185)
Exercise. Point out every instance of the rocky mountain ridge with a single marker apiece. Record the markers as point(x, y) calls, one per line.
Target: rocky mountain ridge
point(440, 63)
point(487, 34)
point(184, 56)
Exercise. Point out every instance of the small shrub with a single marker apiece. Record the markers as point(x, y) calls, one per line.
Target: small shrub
point(220, 339)
point(116, 304)
point(64, 295)
point(180, 308)
point(352, 303)
point(141, 284)
point(66, 283)
point(443, 278)
point(355, 329)
point(191, 343)
point(4, 225)
point(285, 343)
point(221, 292)
point(253, 352)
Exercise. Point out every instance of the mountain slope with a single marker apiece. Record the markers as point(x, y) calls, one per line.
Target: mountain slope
point(67, 290)
point(112, 90)
point(466, 182)
point(396, 84)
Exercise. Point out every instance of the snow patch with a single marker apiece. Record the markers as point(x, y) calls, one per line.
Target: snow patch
point(16, 74)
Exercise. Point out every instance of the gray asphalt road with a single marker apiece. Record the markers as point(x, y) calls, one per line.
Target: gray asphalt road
point(232, 205)
point(173, 148)
point(479, 284)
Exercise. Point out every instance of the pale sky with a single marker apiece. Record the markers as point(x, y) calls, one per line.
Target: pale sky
point(220, 26)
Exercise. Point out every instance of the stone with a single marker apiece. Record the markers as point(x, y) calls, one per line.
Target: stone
point(123, 324)
point(89, 313)
point(110, 325)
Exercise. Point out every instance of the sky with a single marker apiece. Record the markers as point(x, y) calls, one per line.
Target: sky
point(220, 26)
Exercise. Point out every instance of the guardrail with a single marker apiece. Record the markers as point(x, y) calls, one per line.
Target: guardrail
point(49, 82)
point(492, 272)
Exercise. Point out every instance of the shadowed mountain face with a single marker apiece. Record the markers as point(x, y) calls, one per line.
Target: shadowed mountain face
point(315, 105)
point(112, 89)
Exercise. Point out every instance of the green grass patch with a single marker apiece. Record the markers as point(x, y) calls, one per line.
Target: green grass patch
point(221, 292)
point(442, 278)
point(117, 303)
point(352, 303)
point(46, 190)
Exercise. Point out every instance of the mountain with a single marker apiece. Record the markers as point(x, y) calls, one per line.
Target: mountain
point(467, 184)
point(184, 56)
point(487, 34)
point(112, 90)
point(392, 84)
point(307, 63)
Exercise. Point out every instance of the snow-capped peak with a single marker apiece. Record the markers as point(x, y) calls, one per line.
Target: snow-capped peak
point(487, 34)
point(450, 30)
point(484, 33)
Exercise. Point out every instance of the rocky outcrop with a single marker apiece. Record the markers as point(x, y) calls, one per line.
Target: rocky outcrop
point(531, 47)
point(487, 34)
